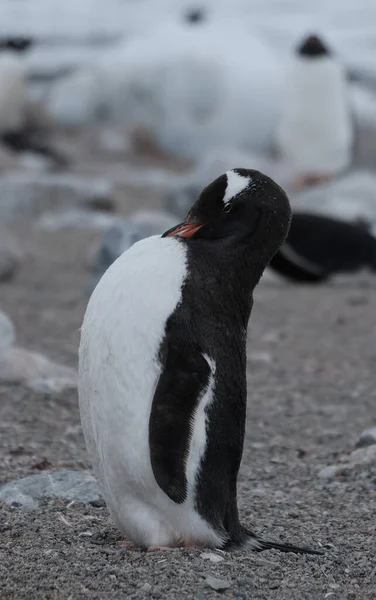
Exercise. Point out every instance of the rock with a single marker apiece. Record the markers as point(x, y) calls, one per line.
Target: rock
point(10, 256)
point(22, 366)
point(7, 332)
point(52, 385)
point(367, 438)
point(219, 585)
point(331, 471)
point(214, 558)
point(24, 196)
point(363, 456)
point(113, 142)
point(34, 162)
point(123, 234)
point(76, 219)
point(78, 486)
point(360, 457)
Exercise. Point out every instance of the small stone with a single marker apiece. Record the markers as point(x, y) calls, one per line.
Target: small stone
point(146, 587)
point(359, 457)
point(215, 558)
point(331, 471)
point(363, 456)
point(80, 486)
point(219, 585)
point(367, 438)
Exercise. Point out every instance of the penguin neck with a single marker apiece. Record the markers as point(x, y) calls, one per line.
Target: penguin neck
point(236, 271)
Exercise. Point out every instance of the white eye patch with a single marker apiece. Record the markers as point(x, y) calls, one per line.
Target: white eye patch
point(235, 184)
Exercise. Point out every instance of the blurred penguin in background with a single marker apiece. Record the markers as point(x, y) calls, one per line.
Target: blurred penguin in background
point(19, 131)
point(315, 133)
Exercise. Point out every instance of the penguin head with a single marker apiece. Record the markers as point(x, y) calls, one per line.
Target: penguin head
point(16, 44)
point(312, 47)
point(195, 15)
point(242, 208)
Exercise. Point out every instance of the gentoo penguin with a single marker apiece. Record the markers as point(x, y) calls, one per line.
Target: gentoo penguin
point(318, 247)
point(17, 130)
point(162, 368)
point(315, 133)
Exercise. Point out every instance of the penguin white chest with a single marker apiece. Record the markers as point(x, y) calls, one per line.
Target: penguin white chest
point(119, 369)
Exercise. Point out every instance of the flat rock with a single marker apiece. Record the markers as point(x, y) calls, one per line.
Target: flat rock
point(7, 332)
point(367, 438)
point(24, 367)
point(217, 584)
point(27, 195)
point(79, 486)
point(76, 219)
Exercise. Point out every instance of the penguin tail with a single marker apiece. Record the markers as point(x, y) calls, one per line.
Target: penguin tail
point(259, 545)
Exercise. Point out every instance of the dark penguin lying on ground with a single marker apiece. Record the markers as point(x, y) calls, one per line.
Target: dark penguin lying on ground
point(315, 133)
point(18, 132)
point(318, 247)
point(162, 368)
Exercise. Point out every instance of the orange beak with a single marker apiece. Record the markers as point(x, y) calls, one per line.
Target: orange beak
point(184, 230)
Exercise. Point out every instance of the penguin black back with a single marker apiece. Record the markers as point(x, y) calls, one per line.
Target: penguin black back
point(318, 247)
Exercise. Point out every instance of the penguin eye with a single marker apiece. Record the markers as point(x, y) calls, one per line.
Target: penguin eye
point(227, 208)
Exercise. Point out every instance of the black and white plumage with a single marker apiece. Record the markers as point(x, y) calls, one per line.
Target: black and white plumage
point(315, 132)
point(318, 247)
point(162, 367)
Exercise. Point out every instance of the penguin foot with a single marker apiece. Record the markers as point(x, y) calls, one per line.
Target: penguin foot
point(254, 543)
point(261, 545)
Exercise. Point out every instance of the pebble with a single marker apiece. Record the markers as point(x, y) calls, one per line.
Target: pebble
point(219, 585)
point(362, 456)
point(214, 558)
point(79, 486)
point(7, 332)
point(367, 438)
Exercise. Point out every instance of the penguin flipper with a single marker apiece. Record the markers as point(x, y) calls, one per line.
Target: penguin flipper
point(184, 377)
point(289, 263)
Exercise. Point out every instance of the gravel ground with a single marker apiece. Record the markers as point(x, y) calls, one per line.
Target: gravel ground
point(312, 377)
